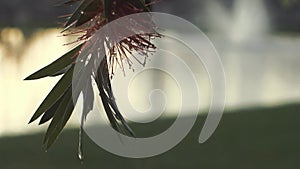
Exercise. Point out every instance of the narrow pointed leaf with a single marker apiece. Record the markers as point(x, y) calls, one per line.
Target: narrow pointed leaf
point(111, 100)
point(89, 12)
point(79, 11)
point(107, 98)
point(98, 78)
point(71, 2)
point(88, 98)
point(66, 107)
point(82, 77)
point(61, 116)
point(57, 65)
point(63, 71)
point(59, 89)
point(108, 111)
point(50, 112)
point(107, 4)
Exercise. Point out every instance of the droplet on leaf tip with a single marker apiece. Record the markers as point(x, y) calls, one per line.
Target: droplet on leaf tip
point(80, 156)
point(80, 153)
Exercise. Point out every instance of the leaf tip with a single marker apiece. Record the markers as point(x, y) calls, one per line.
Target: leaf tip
point(30, 121)
point(28, 78)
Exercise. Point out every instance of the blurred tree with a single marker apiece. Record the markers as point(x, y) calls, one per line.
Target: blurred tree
point(287, 3)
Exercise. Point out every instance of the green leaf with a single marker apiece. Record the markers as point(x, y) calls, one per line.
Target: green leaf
point(77, 14)
point(66, 105)
point(65, 108)
point(105, 91)
point(89, 12)
point(51, 111)
point(60, 119)
point(107, 8)
point(71, 2)
point(88, 98)
point(59, 89)
point(63, 71)
point(56, 66)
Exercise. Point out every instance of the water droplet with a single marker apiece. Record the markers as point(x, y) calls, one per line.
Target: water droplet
point(80, 156)
point(80, 152)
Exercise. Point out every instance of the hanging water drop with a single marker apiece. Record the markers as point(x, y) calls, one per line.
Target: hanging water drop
point(80, 152)
point(80, 156)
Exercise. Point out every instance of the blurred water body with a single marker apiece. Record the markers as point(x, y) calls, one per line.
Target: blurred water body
point(260, 72)
point(19, 58)
point(262, 68)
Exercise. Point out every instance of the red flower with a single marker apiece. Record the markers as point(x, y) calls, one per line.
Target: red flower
point(92, 15)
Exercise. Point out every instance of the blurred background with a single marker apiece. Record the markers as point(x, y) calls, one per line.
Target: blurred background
point(258, 42)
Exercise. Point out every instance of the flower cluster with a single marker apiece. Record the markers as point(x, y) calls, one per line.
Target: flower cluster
point(92, 15)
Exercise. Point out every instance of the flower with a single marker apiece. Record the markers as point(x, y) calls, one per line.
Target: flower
point(92, 15)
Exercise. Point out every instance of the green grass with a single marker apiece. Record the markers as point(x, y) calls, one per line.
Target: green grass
point(262, 138)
